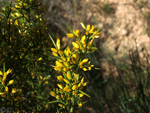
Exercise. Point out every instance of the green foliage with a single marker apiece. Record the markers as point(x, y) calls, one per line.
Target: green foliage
point(29, 84)
point(25, 48)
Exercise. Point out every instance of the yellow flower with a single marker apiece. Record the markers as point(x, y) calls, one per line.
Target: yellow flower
point(82, 25)
point(74, 93)
point(60, 52)
point(68, 76)
point(85, 60)
point(7, 90)
point(91, 42)
point(2, 94)
point(75, 45)
point(16, 23)
point(84, 69)
point(65, 80)
point(58, 63)
point(63, 58)
point(74, 87)
point(76, 77)
point(40, 59)
point(70, 35)
point(60, 86)
point(76, 32)
point(1, 73)
point(57, 97)
point(58, 43)
point(52, 93)
point(81, 95)
point(61, 106)
point(60, 78)
point(67, 51)
point(83, 40)
point(80, 104)
point(55, 54)
point(10, 82)
point(9, 71)
point(67, 89)
point(13, 91)
point(66, 64)
point(82, 62)
point(58, 68)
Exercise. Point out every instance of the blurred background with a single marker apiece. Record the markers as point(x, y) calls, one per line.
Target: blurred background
point(125, 27)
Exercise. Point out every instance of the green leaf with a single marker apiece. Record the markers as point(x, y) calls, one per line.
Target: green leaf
point(94, 34)
point(3, 68)
point(73, 33)
point(48, 76)
point(56, 101)
point(84, 93)
point(52, 41)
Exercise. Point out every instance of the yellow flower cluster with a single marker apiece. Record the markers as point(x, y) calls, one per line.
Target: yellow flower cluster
point(43, 80)
point(84, 41)
point(68, 85)
point(9, 95)
point(70, 62)
point(69, 59)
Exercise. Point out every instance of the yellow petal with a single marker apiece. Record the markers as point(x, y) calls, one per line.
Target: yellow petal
point(82, 25)
point(75, 45)
point(67, 51)
point(55, 54)
point(80, 104)
point(92, 29)
point(9, 71)
point(88, 27)
point(83, 40)
point(60, 52)
point(60, 86)
point(84, 69)
point(1, 73)
point(70, 35)
point(67, 89)
point(85, 60)
point(58, 43)
point(82, 80)
point(52, 93)
point(2, 94)
point(58, 68)
point(76, 32)
point(74, 87)
point(61, 106)
point(13, 90)
point(81, 95)
point(6, 89)
point(65, 80)
point(68, 76)
point(10, 82)
point(60, 78)
point(58, 63)
point(54, 50)
point(63, 58)
point(57, 97)
point(40, 59)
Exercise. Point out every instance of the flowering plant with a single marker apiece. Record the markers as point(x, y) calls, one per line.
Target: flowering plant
point(70, 62)
point(26, 49)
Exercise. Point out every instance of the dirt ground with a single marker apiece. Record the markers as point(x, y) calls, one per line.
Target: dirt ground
point(125, 26)
point(124, 23)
